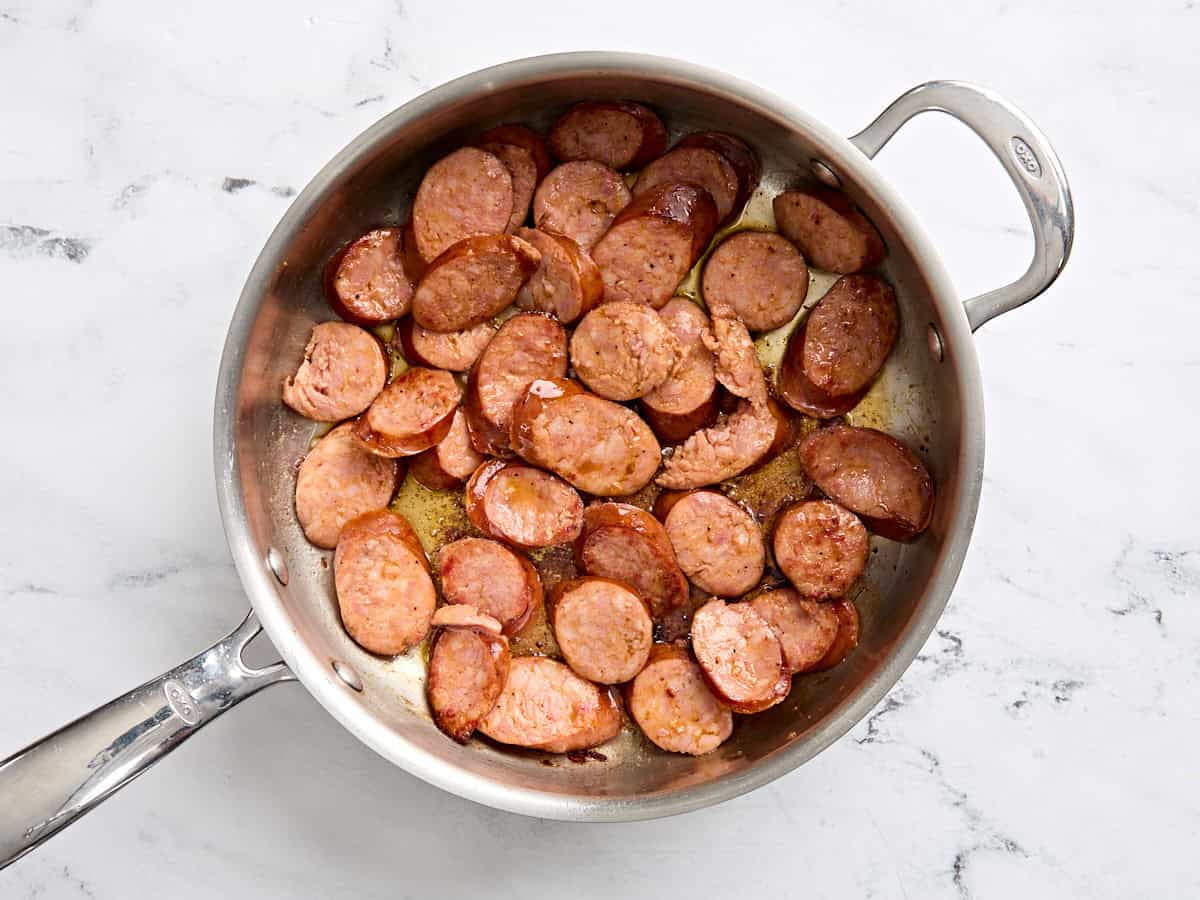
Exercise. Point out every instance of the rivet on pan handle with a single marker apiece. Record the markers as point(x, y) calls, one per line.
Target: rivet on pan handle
point(1028, 158)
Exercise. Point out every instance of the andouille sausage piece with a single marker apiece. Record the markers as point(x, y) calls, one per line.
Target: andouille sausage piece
point(598, 446)
point(523, 506)
point(527, 347)
point(736, 364)
point(472, 281)
point(695, 165)
point(871, 474)
point(740, 656)
point(849, 334)
point(653, 243)
point(830, 232)
point(629, 545)
point(618, 133)
point(806, 629)
point(520, 136)
point(546, 706)
point(455, 351)
point(671, 702)
point(602, 627)
point(343, 370)
point(462, 615)
point(339, 481)
point(758, 275)
point(718, 544)
point(847, 634)
point(523, 170)
point(567, 283)
point(623, 350)
point(468, 193)
point(451, 461)
point(821, 548)
point(580, 200)
point(412, 414)
point(368, 283)
point(492, 578)
point(686, 401)
point(467, 670)
point(384, 589)
point(737, 443)
point(737, 153)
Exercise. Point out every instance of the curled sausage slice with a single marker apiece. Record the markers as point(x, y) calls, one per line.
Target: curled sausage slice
point(718, 544)
point(468, 193)
point(737, 153)
point(567, 282)
point(620, 134)
point(871, 474)
point(629, 545)
point(343, 370)
point(472, 281)
point(523, 506)
point(521, 167)
point(461, 615)
point(489, 576)
point(520, 136)
point(384, 590)
point(339, 481)
point(602, 627)
point(757, 275)
point(806, 629)
point(672, 704)
point(821, 548)
point(467, 670)
point(695, 165)
point(451, 462)
point(740, 655)
point(546, 706)
point(455, 351)
point(686, 401)
point(580, 200)
point(752, 435)
point(598, 446)
point(412, 414)
point(736, 363)
point(371, 281)
point(653, 243)
point(847, 634)
point(830, 232)
point(623, 350)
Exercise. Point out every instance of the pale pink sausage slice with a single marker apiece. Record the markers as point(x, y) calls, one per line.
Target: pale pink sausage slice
point(468, 193)
point(412, 414)
point(580, 200)
point(372, 280)
point(473, 280)
point(695, 165)
point(806, 629)
point(461, 615)
point(530, 508)
point(736, 363)
point(567, 283)
point(740, 656)
point(467, 670)
point(617, 133)
point(602, 627)
point(451, 462)
point(343, 370)
point(737, 443)
point(829, 230)
point(489, 576)
point(821, 548)
point(718, 544)
point(686, 401)
point(849, 334)
point(546, 706)
point(672, 704)
point(455, 351)
point(623, 350)
point(760, 276)
point(523, 170)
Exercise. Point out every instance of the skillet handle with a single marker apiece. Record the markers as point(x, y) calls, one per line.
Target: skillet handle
point(51, 783)
point(1028, 158)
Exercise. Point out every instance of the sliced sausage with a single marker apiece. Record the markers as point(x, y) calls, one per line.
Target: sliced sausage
point(695, 165)
point(455, 351)
point(527, 347)
point(472, 281)
point(757, 275)
point(521, 167)
point(821, 548)
point(412, 414)
point(806, 629)
point(686, 401)
point(468, 193)
point(343, 370)
point(339, 481)
point(718, 544)
point(830, 232)
point(567, 282)
point(520, 136)
point(523, 506)
point(370, 282)
point(384, 589)
point(598, 446)
point(847, 634)
point(603, 628)
point(736, 364)
point(461, 615)
point(580, 200)
point(467, 671)
point(653, 243)
point(752, 435)
point(623, 350)
point(740, 656)
point(871, 474)
point(620, 134)
point(801, 394)
point(546, 706)
point(672, 704)
point(492, 578)
point(451, 462)
point(629, 545)
point(737, 153)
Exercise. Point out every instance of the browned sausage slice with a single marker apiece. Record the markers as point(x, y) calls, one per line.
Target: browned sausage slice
point(343, 370)
point(830, 232)
point(580, 200)
point(491, 577)
point(598, 446)
point(384, 590)
point(740, 656)
point(759, 276)
point(653, 243)
point(618, 133)
point(871, 474)
point(339, 481)
point(801, 394)
point(521, 136)
point(736, 364)
point(371, 281)
point(629, 545)
point(467, 670)
point(737, 443)
point(623, 350)
point(738, 154)
point(473, 280)
point(695, 165)
point(474, 490)
point(821, 548)
point(546, 706)
point(530, 508)
point(847, 634)
point(567, 282)
point(521, 167)
point(468, 193)
point(672, 704)
point(602, 627)
point(686, 401)
point(451, 462)
point(527, 347)
point(849, 334)
point(455, 351)
point(718, 544)
point(412, 414)
point(806, 629)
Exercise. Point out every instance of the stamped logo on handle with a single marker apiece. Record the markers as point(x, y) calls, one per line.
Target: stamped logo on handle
point(1026, 158)
point(181, 701)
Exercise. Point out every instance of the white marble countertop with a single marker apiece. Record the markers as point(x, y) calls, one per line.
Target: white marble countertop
point(1042, 745)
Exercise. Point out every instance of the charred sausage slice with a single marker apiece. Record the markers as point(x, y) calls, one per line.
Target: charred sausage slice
point(372, 280)
point(455, 351)
point(737, 443)
point(629, 545)
point(740, 655)
point(451, 462)
point(695, 165)
point(620, 134)
point(757, 275)
point(580, 200)
point(718, 544)
point(672, 704)
point(473, 280)
point(602, 627)
point(468, 193)
point(467, 670)
point(567, 283)
point(821, 548)
point(343, 370)
point(686, 401)
point(830, 232)
point(806, 629)
point(492, 578)
point(623, 350)
point(412, 414)
point(524, 506)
